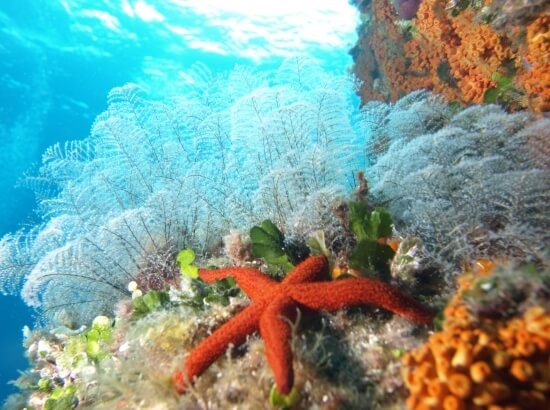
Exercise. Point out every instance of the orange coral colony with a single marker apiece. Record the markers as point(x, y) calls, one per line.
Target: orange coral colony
point(450, 47)
point(476, 363)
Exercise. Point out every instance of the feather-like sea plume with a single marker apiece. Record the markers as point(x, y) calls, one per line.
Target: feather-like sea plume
point(234, 149)
point(156, 176)
point(472, 184)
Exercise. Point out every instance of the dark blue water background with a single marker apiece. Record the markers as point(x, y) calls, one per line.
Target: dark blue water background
point(59, 59)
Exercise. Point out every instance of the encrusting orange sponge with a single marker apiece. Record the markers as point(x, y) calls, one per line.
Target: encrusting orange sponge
point(451, 48)
point(479, 363)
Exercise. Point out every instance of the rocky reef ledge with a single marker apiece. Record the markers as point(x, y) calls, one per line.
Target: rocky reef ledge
point(470, 51)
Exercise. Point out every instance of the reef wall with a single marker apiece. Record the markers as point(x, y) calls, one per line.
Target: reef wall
point(469, 51)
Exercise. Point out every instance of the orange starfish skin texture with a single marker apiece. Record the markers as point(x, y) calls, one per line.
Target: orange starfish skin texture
point(274, 304)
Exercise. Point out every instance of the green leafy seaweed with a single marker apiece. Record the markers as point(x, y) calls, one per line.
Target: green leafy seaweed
point(372, 256)
point(62, 398)
point(45, 385)
point(268, 243)
point(97, 337)
point(370, 226)
point(149, 302)
point(369, 253)
point(92, 342)
point(204, 294)
point(185, 259)
point(504, 87)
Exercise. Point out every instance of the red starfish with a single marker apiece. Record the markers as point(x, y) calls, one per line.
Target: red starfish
point(274, 303)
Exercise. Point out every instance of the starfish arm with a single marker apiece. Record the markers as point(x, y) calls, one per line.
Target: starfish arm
point(233, 332)
point(252, 282)
point(275, 330)
point(351, 292)
point(313, 268)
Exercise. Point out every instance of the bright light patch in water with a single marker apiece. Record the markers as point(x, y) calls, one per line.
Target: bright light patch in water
point(247, 29)
point(108, 20)
point(258, 29)
point(147, 12)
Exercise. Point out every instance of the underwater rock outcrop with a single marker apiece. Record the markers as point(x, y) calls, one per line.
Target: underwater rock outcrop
point(435, 184)
point(407, 8)
point(275, 305)
point(468, 51)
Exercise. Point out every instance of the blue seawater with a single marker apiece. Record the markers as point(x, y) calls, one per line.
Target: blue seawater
point(60, 58)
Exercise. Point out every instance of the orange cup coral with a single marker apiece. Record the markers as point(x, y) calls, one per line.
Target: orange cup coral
point(481, 363)
point(452, 48)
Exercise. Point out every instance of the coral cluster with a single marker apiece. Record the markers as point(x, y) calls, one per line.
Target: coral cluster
point(452, 49)
point(481, 362)
point(536, 78)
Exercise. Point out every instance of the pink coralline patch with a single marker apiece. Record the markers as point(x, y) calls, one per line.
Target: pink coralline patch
point(407, 8)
